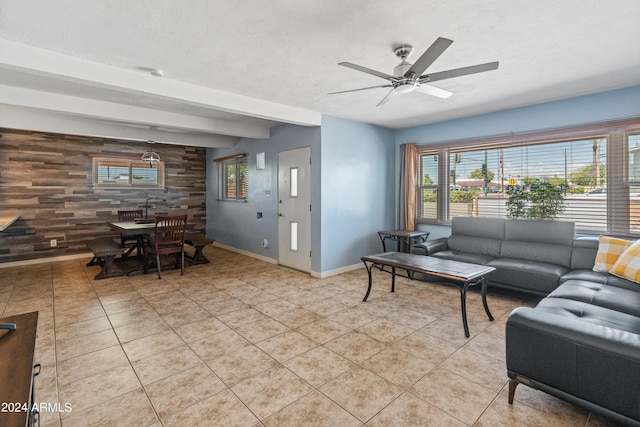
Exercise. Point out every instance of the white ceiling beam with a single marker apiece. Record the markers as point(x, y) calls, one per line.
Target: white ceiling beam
point(46, 121)
point(46, 62)
point(92, 108)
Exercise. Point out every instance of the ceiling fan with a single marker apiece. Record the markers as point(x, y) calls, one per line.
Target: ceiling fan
point(408, 77)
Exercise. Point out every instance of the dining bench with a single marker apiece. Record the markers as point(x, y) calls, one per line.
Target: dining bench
point(198, 241)
point(105, 250)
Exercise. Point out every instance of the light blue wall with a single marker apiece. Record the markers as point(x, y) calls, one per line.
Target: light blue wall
point(357, 190)
point(235, 223)
point(598, 107)
point(352, 192)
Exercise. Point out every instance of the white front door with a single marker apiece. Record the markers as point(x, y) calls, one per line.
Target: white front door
point(294, 209)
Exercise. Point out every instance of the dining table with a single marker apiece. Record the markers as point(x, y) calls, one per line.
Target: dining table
point(137, 229)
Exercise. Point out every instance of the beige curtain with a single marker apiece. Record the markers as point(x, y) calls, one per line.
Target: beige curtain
point(409, 188)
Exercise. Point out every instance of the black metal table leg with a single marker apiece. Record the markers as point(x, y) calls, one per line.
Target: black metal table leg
point(368, 267)
point(393, 279)
point(484, 298)
point(463, 304)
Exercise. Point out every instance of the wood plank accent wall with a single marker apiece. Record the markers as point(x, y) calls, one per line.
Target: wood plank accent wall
point(47, 180)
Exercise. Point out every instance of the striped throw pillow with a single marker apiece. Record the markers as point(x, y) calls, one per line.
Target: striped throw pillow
point(609, 250)
point(628, 264)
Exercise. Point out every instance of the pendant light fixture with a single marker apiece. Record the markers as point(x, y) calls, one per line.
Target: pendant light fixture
point(151, 156)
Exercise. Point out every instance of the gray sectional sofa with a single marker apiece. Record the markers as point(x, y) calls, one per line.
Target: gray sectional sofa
point(529, 255)
point(581, 343)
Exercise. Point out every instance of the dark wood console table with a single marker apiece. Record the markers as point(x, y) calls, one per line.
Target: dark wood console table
point(17, 371)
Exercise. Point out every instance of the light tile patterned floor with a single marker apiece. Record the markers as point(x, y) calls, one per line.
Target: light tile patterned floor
point(242, 342)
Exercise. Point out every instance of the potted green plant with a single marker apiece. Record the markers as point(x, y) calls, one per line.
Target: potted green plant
point(535, 199)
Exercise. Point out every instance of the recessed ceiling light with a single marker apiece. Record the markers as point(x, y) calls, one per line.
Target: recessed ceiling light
point(156, 72)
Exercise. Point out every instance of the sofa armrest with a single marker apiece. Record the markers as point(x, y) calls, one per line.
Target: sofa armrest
point(596, 361)
point(431, 247)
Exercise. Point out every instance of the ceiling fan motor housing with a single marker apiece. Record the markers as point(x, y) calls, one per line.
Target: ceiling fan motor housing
point(403, 51)
point(405, 85)
point(401, 68)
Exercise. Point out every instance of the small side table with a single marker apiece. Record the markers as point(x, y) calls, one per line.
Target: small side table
point(404, 238)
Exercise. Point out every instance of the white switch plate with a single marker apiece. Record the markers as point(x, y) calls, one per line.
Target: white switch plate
point(54, 243)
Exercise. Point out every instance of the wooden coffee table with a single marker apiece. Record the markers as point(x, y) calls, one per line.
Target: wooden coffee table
point(461, 275)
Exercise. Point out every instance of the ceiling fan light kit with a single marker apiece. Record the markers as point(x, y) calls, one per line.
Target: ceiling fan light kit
point(409, 77)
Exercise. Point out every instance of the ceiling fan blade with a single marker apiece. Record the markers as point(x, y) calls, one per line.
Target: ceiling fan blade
point(433, 91)
point(368, 71)
point(387, 97)
point(428, 57)
point(362, 88)
point(459, 72)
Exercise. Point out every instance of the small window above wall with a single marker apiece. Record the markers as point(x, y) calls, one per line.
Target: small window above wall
point(232, 177)
point(124, 172)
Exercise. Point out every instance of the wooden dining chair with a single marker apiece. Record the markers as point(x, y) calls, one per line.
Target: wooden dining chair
point(130, 242)
point(168, 239)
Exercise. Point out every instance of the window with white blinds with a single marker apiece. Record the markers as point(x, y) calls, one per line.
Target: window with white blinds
point(122, 172)
point(589, 175)
point(232, 177)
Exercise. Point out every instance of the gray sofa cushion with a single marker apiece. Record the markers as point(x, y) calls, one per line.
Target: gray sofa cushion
point(538, 252)
point(478, 245)
point(591, 313)
point(531, 230)
point(464, 257)
point(532, 276)
point(601, 295)
point(597, 277)
point(584, 253)
point(542, 241)
point(492, 228)
point(478, 235)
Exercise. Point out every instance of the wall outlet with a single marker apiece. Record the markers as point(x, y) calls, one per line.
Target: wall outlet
point(265, 243)
point(54, 243)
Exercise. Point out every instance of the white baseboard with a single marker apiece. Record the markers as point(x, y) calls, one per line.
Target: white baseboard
point(44, 260)
point(318, 274)
point(247, 253)
point(341, 270)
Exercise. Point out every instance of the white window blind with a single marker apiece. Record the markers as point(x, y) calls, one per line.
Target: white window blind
point(232, 177)
point(122, 172)
point(589, 175)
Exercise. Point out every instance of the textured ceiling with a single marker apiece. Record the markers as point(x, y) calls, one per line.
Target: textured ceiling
point(277, 60)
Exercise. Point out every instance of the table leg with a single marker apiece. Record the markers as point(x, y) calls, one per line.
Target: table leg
point(403, 244)
point(368, 267)
point(140, 239)
point(109, 269)
point(463, 304)
point(393, 279)
point(383, 238)
point(484, 299)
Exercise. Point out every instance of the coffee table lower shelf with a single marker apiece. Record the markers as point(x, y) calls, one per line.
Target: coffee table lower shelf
point(460, 275)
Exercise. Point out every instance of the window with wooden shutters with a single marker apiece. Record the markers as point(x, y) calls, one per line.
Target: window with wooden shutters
point(232, 177)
